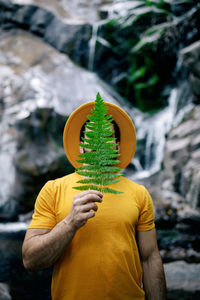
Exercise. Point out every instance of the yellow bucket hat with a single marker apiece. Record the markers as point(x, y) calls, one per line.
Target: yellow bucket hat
point(71, 134)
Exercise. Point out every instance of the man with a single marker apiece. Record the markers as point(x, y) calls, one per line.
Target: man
point(102, 246)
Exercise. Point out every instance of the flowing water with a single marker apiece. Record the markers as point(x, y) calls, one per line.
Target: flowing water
point(154, 129)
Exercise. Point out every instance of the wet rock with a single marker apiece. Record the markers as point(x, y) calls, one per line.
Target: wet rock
point(182, 159)
point(55, 30)
point(76, 11)
point(189, 216)
point(40, 154)
point(191, 61)
point(21, 283)
point(182, 279)
point(5, 292)
point(190, 57)
point(181, 31)
point(195, 83)
point(169, 239)
point(166, 204)
point(178, 253)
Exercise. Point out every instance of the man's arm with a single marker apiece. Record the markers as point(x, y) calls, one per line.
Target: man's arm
point(42, 247)
point(153, 272)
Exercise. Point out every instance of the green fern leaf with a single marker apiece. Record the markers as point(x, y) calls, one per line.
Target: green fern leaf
point(103, 169)
point(98, 174)
point(99, 164)
point(98, 181)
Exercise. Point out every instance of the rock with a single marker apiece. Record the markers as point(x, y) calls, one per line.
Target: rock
point(40, 154)
point(77, 11)
point(195, 83)
point(21, 283)
point(181, 276)
point(182, 158)
point(166, 204)
point(185, 129)
point(180, 31)
point(5, 292)
point(190, 56)
point(182, 237)
point(68, 38)
point(190, 184)
point(191, 60)
point(178, 253)
point(188, 215)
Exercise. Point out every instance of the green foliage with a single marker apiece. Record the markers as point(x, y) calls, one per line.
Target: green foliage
point(98, 167)
point(143, 9)
point(134, 37)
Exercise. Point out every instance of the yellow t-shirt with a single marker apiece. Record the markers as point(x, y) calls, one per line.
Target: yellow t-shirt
point(102, 261)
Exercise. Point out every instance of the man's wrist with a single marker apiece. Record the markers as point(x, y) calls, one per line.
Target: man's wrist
point(69, 225)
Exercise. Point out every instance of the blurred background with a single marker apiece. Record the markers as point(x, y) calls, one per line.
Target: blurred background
point(143, 56)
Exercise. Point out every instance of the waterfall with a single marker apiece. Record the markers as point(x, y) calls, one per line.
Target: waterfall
point(154, 129)
point(93, 41)
point(92, 46)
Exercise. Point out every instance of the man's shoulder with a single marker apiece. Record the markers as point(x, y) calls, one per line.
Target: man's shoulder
point(62, 181)
point(136, 187)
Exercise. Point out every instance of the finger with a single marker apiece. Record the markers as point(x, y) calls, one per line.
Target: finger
point(88, 207)
point(89, 215)
point(86, 199)
point(80, 195)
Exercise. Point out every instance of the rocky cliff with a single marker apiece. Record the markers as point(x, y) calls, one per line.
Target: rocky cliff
point(45, 53)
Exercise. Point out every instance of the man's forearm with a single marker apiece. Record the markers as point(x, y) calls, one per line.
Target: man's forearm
point(43, 250)
point(154, 277)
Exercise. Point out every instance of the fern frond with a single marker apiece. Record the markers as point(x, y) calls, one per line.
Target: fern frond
point(103, 140)
point(97, 167)
point(98, 174)
point(98, 181)
point(109, 190)
point(103, 149)
point(99, 164)
point(97, 188)
point(95, 155)
point(88, 187)
point(96, 161)
point(95, 134)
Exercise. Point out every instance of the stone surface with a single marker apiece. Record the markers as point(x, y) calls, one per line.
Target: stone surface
point(191, 61)
point(77, 10)
point(22, 285)
point(178, 253)
point(5, 292)
point(182, 158)
point(182, 276)
point(190, 56)
point(69, 37)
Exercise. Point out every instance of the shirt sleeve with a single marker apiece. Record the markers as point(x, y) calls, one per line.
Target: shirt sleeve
point(44, 213)
point(146, 216)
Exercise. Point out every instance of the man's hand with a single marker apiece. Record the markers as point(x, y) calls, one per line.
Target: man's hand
point(83, 208)
point(42, 247)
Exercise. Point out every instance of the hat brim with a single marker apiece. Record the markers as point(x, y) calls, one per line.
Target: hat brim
point(71, 135)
